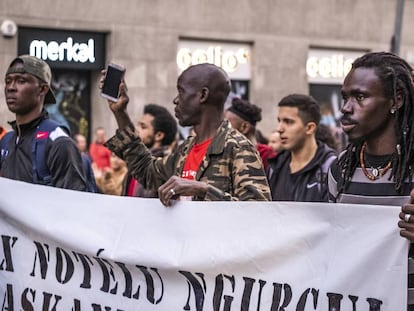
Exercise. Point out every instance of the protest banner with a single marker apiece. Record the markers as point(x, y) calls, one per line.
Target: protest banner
point(68, 250)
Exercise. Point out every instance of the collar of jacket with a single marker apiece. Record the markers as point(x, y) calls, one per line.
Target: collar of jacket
point(322, 153)
point(32, 124)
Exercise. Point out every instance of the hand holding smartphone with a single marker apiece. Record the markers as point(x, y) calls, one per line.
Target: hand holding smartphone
point(113, 77)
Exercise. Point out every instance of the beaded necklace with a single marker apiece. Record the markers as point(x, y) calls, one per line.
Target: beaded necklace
point(377, 172)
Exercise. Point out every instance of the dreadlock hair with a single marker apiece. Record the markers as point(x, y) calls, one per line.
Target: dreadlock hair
point(396, 76)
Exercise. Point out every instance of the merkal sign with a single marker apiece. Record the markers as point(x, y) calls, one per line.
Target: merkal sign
point(64, 51)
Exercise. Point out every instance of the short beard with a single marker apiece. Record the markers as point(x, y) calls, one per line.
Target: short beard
point(151, 143)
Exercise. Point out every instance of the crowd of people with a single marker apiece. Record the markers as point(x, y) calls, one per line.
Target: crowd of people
point(225, 157)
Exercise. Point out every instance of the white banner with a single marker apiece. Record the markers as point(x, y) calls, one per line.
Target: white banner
point(68, 250)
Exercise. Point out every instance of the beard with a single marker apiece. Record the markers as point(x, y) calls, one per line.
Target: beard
point(150, 142)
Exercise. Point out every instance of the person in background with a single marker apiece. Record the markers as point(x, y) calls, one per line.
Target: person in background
point(327, 117)
point(82, 145)
point(299, 172)
point(3, 131)
point(260, 138)
point(217, 164)
point(274, 142)
point(57, 162)
point(244, 116)
point(325, 135)
point(101, 156)
point(157, 129)
point(110, 179)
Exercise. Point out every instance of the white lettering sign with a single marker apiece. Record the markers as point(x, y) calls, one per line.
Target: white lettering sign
point(328, 66)
point(228, 60)
point(65, 51)
point(233, 58)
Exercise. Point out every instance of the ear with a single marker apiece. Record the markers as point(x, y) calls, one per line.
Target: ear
point(245, 127)
point(159, 136)
point(311, 128)
point(44, 88)
point(204, 93)
point(397, 104)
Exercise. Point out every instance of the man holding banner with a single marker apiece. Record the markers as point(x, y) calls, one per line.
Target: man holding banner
point(218, 164)
point(378, 114)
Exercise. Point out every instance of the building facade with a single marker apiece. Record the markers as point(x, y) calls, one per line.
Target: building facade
point(270, 48)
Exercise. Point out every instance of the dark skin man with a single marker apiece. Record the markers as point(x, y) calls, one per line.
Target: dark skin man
point(221, 172)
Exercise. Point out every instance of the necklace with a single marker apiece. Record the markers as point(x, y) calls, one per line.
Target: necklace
point(377, 172)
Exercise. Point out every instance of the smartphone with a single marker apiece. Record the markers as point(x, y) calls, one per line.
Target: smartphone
point(113, 77)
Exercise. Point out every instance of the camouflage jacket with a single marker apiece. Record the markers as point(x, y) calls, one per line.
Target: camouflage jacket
point(231, 166)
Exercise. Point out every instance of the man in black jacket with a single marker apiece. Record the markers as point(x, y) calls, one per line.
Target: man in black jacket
point(38, 150)
point(299, 173)
point(157, 129)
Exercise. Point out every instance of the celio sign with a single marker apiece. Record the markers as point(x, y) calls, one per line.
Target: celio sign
point(329, 66)
point(63, 51)
point(228, 60)
point(232, 57)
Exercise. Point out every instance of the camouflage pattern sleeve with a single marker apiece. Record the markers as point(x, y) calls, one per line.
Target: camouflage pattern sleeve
point(235, 171)
point(249, 180)
point(151, 172)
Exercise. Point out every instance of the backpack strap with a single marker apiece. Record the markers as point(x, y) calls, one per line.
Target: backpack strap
point(4, 146)
point(40, 170)
point(324, 170)
point(327, 164)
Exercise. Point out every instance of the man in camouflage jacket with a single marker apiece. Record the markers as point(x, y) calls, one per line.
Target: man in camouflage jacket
point(231, 168)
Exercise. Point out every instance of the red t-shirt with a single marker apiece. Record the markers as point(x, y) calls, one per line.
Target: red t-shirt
point(194, 158)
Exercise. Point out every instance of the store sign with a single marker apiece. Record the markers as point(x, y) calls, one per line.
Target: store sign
point(64, 49)
point(329, 66)
point(235, 59)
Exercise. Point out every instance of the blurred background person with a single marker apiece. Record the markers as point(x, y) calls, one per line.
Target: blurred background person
point(274, 141)
point(157, 129)
point(260, 137)
point(82, 145)
point(243, 117)
point(325, 135)
point(3, 131)
point(101, 156)
point(110, 179)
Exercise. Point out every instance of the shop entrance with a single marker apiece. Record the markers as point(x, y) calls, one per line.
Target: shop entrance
point(73, 108)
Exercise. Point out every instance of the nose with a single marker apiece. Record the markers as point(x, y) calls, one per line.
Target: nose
point(346, 106)
point(280, 128)
point(11, 85)
point(175, 100)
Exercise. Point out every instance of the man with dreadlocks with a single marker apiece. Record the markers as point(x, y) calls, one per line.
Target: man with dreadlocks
point(378, 113)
